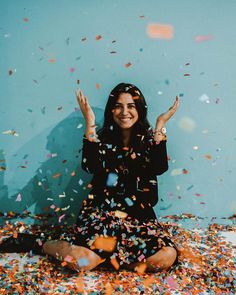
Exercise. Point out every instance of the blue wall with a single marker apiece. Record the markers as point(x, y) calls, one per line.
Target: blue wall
point(47, 46)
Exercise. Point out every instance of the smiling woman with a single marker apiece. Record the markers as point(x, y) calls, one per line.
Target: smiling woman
point(124, 113)
point(117, 221)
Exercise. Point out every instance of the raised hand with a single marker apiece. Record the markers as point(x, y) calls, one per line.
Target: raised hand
point(163, 118)
point(85, 107)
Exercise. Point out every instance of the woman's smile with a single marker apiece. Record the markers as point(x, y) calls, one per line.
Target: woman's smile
point(125, 113)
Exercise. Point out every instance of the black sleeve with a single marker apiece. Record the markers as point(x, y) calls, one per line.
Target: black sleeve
point(158, 157)
point(92, 156)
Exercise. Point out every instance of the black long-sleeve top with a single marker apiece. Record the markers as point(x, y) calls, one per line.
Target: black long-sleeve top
point(125, 178)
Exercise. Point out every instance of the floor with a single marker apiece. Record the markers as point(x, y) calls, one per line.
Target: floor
point(207, 266)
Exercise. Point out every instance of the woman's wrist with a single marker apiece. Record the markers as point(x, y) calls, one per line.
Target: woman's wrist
point(90, 132)
point(159, 133)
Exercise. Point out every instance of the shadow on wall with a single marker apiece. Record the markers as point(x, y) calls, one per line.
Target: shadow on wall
point(59, 185)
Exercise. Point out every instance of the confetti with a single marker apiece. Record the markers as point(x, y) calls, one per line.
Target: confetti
point(112, 179)
point(18, 198)
point(203, 38)
point(160, 31)
point(127, 65)
point(98, 37)
point(10, 132)
point(204, 98)
point(187, 124)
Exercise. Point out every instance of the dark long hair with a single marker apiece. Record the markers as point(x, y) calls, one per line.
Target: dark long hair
point(110, 131)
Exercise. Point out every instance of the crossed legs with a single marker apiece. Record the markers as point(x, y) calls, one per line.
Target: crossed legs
point(78, 257)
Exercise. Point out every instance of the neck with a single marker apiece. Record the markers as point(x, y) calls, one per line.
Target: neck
point(126, 134)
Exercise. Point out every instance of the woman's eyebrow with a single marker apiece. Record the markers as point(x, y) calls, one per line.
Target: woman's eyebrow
point(119, 103)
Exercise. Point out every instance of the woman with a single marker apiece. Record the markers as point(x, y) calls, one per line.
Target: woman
point(117, 221)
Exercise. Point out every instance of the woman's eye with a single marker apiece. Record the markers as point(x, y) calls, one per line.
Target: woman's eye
point(132, 106)
point(117, 107)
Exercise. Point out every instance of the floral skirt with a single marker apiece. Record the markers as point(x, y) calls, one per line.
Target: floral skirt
point(136, 240)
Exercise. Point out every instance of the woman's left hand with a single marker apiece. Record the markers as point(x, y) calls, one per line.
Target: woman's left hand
point(163, 118)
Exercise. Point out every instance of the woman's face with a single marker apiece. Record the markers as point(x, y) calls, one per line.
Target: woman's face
point(124, 112)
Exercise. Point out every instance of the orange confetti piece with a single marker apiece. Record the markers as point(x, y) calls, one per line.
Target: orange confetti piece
point(72, 173)
point(128, 65)
point(161, 31)
point(115, 263)
point(185, 171)
point(105, 243)
point(98, 37)
point(148, 281)
point(108, 289)
point(15, 234)
point(80, 285)
point(208, 157)
point(25, 19)
point(56, 175)
point(52, 60)
point(146, 189)
point(98, 86)
point(64, 263)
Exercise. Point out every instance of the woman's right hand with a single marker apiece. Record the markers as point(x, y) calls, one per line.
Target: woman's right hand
point(85, 107)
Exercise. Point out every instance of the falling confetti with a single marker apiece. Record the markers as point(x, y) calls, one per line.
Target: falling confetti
point(187, 124)
point(203, 38)
point(18, 198)
point(128, 65)
point(10, 132)
point(204, 98)
point(160, 31)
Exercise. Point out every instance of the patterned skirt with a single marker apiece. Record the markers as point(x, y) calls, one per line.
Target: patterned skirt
point(136, 240)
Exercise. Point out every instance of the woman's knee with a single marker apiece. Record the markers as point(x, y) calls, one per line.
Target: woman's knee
point(164, 258)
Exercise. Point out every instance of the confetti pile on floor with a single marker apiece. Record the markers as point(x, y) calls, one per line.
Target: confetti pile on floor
point(207, 266)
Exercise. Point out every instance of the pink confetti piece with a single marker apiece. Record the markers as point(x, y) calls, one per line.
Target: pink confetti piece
point(61, 217)
point(203, 38)
point(18, 198)
point(68, 258)
point(172, 283)
point(141, 257)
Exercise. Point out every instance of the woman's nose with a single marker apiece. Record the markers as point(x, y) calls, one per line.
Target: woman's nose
point(124, 110)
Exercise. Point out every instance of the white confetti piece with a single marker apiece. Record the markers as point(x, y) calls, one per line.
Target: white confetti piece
point(18, 198)
point(63, 195)
point(10, 132)
point(176, 172)
point(204, 98)
point(187, 124)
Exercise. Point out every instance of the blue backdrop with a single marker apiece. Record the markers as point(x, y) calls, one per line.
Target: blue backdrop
point(51, 48)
